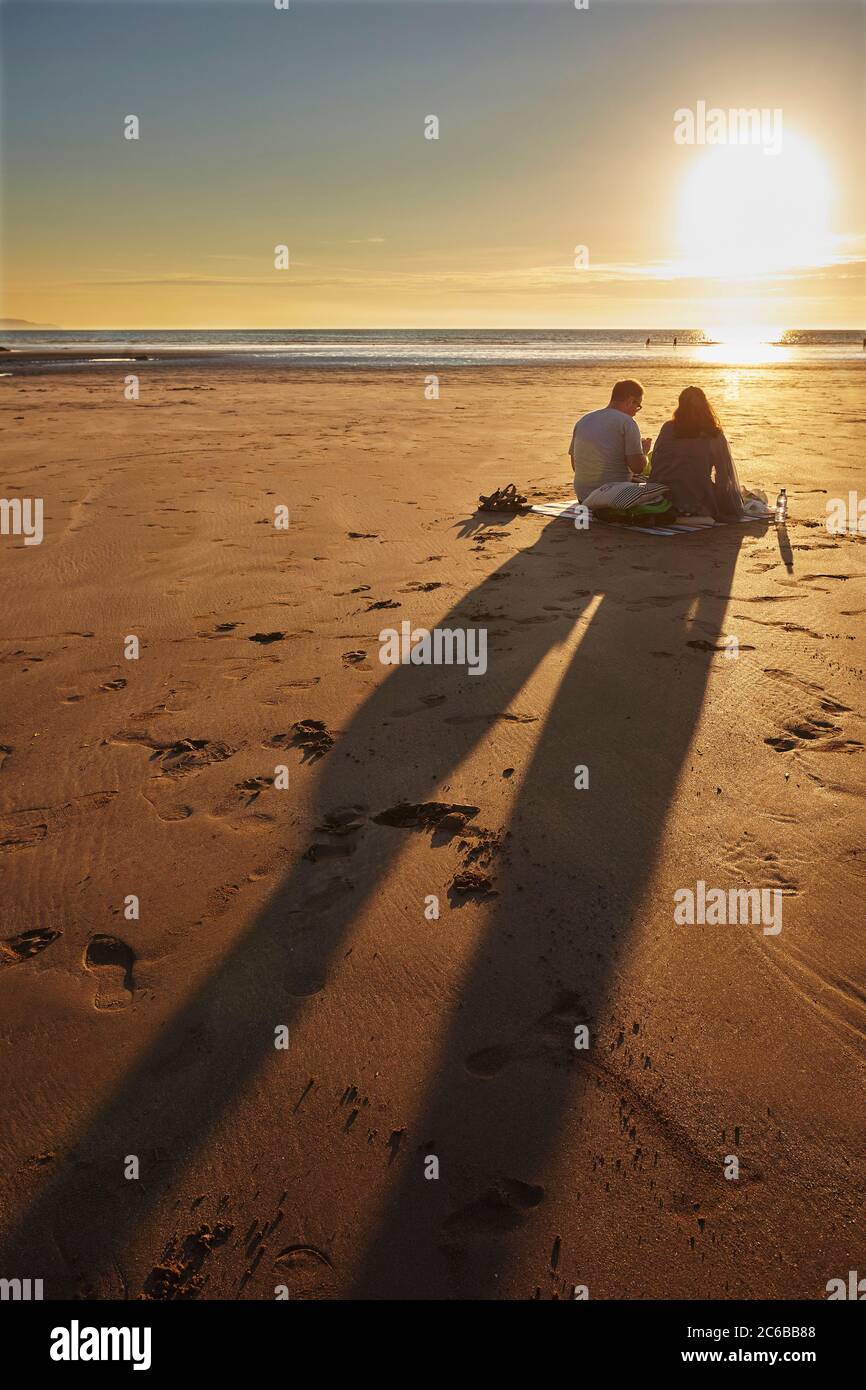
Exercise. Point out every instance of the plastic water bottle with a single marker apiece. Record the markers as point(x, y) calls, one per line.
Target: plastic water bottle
point(782, 508)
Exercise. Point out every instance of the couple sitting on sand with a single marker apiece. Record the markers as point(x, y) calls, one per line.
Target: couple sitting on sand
point(690, 471)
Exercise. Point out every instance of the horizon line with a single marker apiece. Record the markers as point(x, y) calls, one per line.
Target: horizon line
point(426, 328)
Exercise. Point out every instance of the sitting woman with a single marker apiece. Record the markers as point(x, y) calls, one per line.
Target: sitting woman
point(691, 457)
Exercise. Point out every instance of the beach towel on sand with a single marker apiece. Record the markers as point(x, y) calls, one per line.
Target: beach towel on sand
point(685, 526)
point(570, 511)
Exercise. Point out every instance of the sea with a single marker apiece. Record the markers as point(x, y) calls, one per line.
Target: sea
point(431, 348)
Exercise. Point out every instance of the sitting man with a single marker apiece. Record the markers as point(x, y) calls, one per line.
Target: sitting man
point(606, 446)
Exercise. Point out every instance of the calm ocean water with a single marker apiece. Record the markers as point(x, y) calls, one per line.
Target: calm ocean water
point(437, 347)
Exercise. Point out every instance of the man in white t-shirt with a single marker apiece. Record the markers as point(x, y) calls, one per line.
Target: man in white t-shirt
point(606, 446)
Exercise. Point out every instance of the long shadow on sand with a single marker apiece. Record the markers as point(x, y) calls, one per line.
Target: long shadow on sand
point(532, 963)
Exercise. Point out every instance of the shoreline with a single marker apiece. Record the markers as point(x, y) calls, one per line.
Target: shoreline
point(32, 361)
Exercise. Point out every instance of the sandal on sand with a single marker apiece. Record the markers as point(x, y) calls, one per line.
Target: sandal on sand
point(504, 499)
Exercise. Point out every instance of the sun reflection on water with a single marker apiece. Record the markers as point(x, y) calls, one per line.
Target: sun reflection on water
point(750, 346)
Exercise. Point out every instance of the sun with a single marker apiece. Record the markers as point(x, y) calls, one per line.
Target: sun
point(744, 213)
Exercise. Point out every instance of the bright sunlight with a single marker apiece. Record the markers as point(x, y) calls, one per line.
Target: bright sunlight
point(744, 213)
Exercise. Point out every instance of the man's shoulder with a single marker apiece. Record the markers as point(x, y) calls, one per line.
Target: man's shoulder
point(599, 417)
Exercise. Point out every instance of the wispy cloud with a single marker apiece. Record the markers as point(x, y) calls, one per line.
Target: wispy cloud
point(553, 278)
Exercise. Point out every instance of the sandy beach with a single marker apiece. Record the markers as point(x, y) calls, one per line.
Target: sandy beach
point(328, 984)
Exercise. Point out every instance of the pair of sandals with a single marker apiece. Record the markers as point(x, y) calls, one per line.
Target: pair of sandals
point(504, 499)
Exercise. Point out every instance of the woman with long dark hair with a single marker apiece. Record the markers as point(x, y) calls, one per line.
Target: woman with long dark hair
point(692, 458)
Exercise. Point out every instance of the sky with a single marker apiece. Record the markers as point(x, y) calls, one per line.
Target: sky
point(556, 194)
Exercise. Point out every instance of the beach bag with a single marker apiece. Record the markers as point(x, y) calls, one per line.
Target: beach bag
point(660, 513)
point(635, 504)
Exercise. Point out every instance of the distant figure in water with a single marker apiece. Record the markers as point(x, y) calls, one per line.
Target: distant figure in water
point(864, 344)
point(691, 456)
point(648, 342)
point(675, 342)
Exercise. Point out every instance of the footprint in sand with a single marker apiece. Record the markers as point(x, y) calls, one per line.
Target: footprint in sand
point(551, 1036)
point(811, 728)
point(827, 702)
point(220, 630)
point(427, 702)
point(507, 716)
point(243, 806)
point(307, 972)
point(470, 884)
point(311, 735)
point(815, 733)
point(319, 900)
point(752, 862)
point(180, 1273)
point(182, 756)
point(71, 697)
point(502, 1207)
point(160, 796)
point(111, 961)
point(23, 829)
point(443, 817)
point(701, 645)
point(342, 826)
point(306, 1270)
point(488, 1062)
point(25, 945)
point(786, 627)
